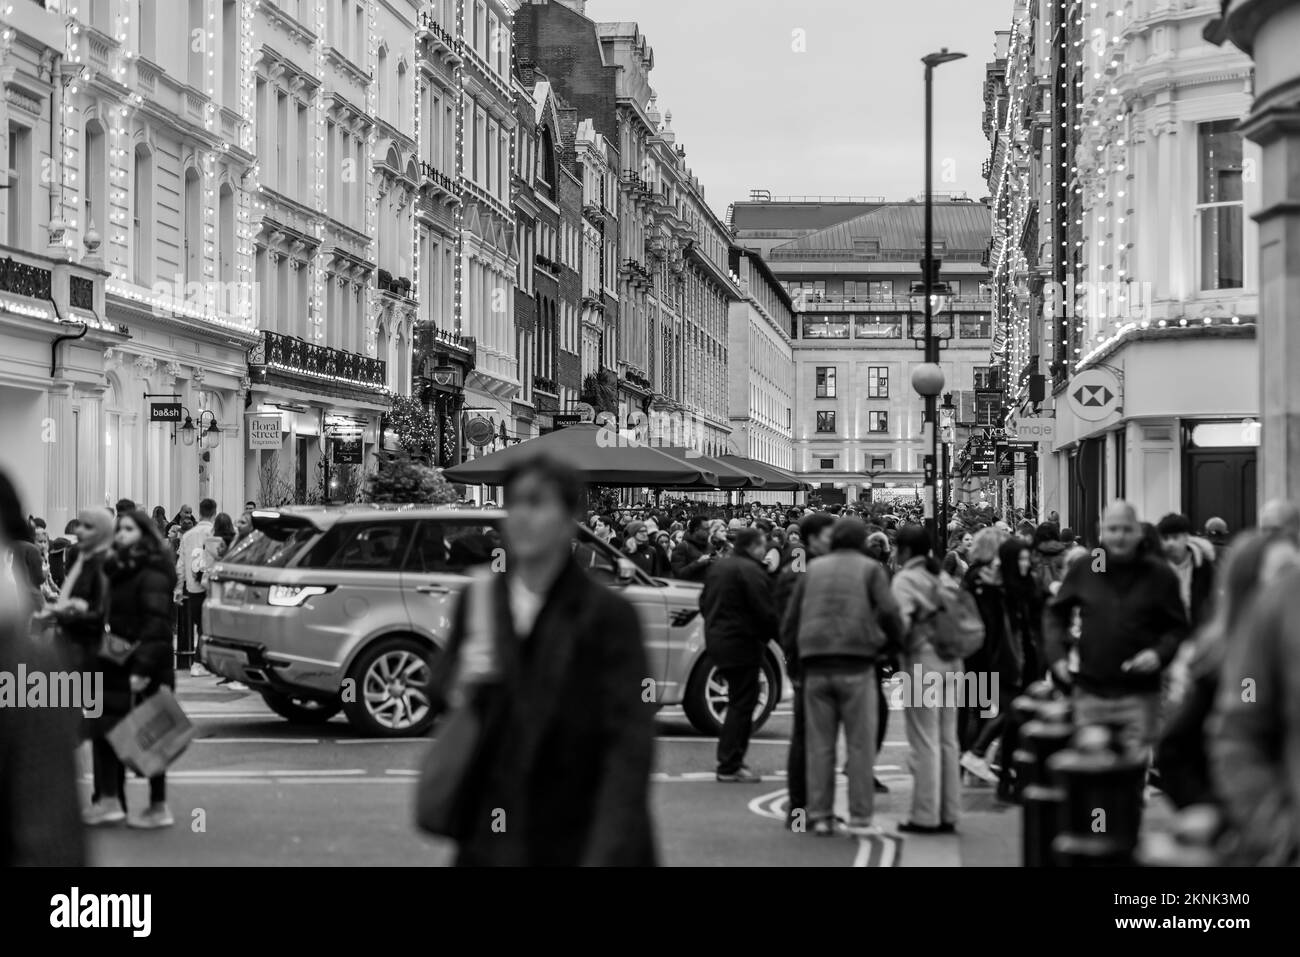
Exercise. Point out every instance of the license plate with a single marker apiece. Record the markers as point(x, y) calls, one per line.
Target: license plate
point(235, 593)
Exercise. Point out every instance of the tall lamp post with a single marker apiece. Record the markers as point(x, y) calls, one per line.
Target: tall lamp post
point(931, 300)
point(927, 379)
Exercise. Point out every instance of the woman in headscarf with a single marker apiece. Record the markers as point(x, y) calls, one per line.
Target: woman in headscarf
point(80, 608)
point(141, 579)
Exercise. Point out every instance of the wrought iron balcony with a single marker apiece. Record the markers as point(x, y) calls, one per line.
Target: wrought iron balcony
point(438, 178)
point(291, 354)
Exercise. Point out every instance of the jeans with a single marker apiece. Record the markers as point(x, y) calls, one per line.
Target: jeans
point(738, 724)
point(935, 755)
point(109, 776)
point(832, 699)
point(191, 625)
point(1133, 717)
point(796, 762)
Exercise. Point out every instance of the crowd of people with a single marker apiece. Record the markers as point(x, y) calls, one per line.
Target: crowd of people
point(1180, 639)
point(113, 573)
point(1154, 632)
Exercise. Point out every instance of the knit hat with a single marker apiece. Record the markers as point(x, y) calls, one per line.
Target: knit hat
point(633, 528)
point(737, 524)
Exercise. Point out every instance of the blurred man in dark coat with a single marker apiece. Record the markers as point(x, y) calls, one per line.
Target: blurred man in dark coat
point(40, 822)
point(739, 620)
point(561, 775)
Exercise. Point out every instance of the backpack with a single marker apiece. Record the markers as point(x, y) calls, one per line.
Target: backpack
point(956, 627)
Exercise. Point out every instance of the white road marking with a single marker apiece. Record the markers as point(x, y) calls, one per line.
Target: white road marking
point(256, 741)
point(380, 740)
point(689, 739)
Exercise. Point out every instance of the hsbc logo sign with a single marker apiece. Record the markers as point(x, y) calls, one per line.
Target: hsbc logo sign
point(1094, 394)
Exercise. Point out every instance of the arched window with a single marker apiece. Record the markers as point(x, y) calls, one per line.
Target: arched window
point(142, 216)
point(226, 248)
point(403, 97)
point(193, 251)
point(546, 164)
point(95, 186)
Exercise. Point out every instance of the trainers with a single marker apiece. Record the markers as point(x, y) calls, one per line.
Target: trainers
point(104, 811)
point(742, 776)
point(828, 828)
point(863, 830)
point(977, 766)
point(198, 671)
point(155, 816)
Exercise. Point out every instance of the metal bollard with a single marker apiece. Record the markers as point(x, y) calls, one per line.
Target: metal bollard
point(1042, 798)
point(1031, 706)
point(1190, 842)
point(1024, 709)
point(1102, 812)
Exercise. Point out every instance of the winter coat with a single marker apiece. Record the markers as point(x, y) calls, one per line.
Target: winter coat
point(1002, 651)
point(568, 738)
point(1255, 741)
point(842, 612)
point(40, 820)
point(739, 612)
point(1127, 607)
point(81, 632)
point(915, 589)
point(140, 609)
point(688, 551)
point(1047, 564)
point(650, 560)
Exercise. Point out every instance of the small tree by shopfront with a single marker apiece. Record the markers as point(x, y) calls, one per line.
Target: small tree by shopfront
point(403, 480)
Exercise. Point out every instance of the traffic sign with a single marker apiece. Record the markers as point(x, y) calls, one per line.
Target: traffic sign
point(1094, 394)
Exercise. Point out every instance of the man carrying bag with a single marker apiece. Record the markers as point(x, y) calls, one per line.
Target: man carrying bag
point(544, 753)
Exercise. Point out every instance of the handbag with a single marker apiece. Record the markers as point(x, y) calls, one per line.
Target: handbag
point(113, 647)
point(453, 755)
point(153, 734)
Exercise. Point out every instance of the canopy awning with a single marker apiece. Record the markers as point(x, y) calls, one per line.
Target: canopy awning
point(602, 455)
point(730, 476)
point(777, 480)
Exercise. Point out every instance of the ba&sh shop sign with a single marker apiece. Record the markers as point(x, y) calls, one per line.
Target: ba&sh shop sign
point(264, 432)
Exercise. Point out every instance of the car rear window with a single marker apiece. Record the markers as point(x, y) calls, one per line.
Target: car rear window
point(261, 549)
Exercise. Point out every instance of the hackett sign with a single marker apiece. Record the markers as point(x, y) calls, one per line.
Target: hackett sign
point(264, 432)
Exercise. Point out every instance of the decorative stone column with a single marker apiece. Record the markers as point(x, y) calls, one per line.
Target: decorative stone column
point(1269, 30)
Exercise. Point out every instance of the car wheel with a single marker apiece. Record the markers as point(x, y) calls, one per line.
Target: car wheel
point(301, 710)
point(391, 690)
point(705, 703)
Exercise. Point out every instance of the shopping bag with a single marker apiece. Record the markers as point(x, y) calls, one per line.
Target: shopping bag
point(449, 763)
point(153, 734)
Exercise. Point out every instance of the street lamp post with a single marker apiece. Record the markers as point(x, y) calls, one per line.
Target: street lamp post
point(929, 278)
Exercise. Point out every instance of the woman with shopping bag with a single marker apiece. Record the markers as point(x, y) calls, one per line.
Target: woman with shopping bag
point(141, 579)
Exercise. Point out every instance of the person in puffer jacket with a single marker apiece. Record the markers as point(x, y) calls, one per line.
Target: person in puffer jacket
point(1047, 560)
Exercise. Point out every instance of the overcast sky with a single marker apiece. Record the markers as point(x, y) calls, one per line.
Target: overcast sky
point(845, 117)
